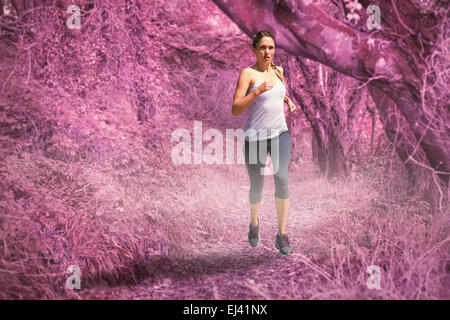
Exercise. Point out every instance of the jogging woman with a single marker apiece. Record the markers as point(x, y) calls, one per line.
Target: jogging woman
point(261, 89)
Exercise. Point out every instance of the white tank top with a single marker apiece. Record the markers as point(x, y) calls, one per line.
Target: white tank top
point(266, 113)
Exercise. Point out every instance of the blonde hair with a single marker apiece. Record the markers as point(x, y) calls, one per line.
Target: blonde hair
point(278, 72)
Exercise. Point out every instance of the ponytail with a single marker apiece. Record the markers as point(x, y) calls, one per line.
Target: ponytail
point(278, 73)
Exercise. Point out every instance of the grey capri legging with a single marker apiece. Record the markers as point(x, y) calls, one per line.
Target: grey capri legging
point(255, 153)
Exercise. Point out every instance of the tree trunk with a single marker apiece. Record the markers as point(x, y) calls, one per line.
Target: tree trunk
point(421, 182)
point(372, 127)
point(314, 148)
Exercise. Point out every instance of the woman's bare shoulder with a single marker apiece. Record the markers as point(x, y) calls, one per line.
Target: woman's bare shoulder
point(247, 70)
point(248, 74)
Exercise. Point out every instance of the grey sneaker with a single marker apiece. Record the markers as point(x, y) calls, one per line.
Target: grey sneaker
point(282, 244)
point(253, 235)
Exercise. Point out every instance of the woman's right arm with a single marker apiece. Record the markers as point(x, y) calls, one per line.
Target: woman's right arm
point(240, 101)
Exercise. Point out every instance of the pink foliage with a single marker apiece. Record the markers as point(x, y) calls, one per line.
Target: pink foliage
point(86, 176)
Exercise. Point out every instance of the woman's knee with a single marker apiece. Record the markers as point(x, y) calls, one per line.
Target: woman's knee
point(282, 191)
point(281, 186)
point(254, 197)
point(281, 177)
point(256, 187)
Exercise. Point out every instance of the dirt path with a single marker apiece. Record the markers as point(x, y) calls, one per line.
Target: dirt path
point(235, 270)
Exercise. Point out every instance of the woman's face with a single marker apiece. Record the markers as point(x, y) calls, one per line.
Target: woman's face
point(265, 49)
